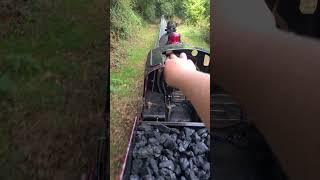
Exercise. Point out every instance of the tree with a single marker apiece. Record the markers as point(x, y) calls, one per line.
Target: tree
point(194, 10)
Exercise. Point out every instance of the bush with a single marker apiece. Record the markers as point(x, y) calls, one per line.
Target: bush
point(150, 13)
point(204, 26)
point(167, 9)
point(197, 13)
point(123, 18)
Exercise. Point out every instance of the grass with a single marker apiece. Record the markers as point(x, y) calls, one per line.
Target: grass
point(126, 91)
point(127, 82)
point(191, 35)
point(51, 89)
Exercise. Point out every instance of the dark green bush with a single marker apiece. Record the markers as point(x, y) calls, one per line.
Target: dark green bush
point(123, 18)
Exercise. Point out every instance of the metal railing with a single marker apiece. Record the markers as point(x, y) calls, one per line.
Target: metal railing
point(162, 31)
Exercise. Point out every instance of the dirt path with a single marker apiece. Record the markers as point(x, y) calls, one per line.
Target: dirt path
point(126, 92)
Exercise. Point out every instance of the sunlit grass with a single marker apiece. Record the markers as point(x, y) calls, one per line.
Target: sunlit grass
point(193, 36)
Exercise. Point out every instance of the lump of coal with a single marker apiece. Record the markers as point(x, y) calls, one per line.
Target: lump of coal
point(157, 134)
point(184, 163)
point(171, 158)
point(168, 152)
point(157, 150)
point(170, 143)
point(163, 158)
point(183, 178)
point(200, 148)
point(134, 177)
point(191, 175)
point(143, 152)
point(164, 137)
point(154, 166)
point(202, 174)
point(168, 174)
point(136, 166)
point(177, 170)
point(149, 177)
point(167, 164)
point(183, 145)
point(153, 141)
point(188, 132)
point(202, 131)
point(206, 166)
point(176, 154)
point(196, 137)
point(145, 170)
point(189, 153)
point(141, 142)
point(174, 137)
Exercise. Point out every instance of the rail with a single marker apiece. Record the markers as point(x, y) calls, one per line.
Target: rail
point(162, 30)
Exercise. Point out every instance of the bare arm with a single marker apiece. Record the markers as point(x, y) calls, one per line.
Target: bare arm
point(275, 75)
point(195, 85)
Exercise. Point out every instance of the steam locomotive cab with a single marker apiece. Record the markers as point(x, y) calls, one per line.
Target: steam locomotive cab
point(165, 103)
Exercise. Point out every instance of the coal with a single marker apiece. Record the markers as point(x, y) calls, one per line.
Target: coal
point(190, 174)
point(189, 153)
point(149, 177)
point(134, 177)
point(164, 137)
point(166, 129)
point(168, 174)
point(154, 166)
point(157, 150)
point(188, 132)
point(200, 148)
point(184, 163)
point(196, 137)
point(138, 163)
point(206, 166)
point(183, 145)
point(177, 170)
point(202, 131)
point(167, 164)
point(165, 153)
point(153, 141)
point(183, 178)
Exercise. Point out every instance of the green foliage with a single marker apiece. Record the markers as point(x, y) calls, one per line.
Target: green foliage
point(167, 8)
point(194, 10)
point(150, 12)
point(123, 19)
point(197, 13)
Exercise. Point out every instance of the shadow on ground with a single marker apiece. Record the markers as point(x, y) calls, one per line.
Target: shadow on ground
point(52, 80)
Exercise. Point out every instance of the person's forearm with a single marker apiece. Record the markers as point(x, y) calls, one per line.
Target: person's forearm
point(276, 77)
point(196, 87)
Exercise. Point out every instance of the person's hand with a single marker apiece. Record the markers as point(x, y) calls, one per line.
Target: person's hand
point(176, 68)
